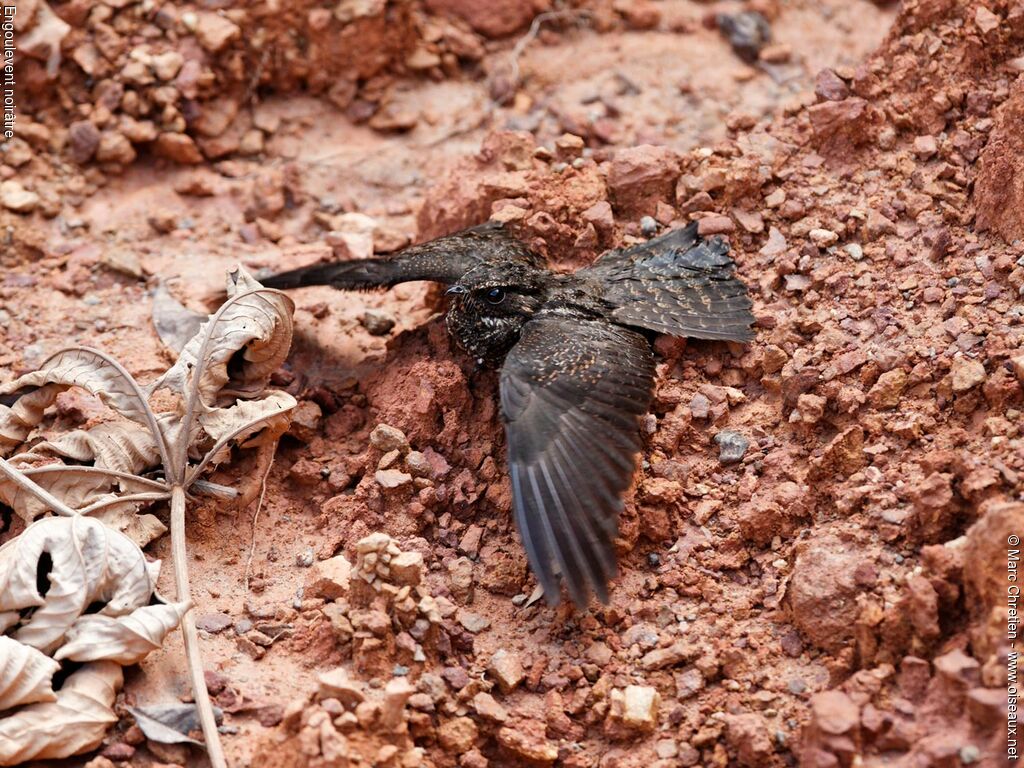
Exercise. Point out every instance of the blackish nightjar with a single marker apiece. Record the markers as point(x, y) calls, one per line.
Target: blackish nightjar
point(577, 369)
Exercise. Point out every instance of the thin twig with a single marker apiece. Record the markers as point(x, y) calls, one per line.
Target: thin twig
point(256, 517)
point(30, 486)
point(190, 634)
point(141, 498)
point(112, 473)
point(520, 47)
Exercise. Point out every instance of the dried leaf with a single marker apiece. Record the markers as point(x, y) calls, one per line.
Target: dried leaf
point(26, 675)
point(170, 723)
point(94, 372)
point(243, 419)
point(175, 323)
point(141, 529)
point(254, 333)
point(61, 566)
point(74, 489)
point(118, 445)
point(19, 419)
point(89, 563)
point(537, 594)
point(246, 417)
point(238, 348)
point(76, 722)
point(91, 492)
point(124, 639)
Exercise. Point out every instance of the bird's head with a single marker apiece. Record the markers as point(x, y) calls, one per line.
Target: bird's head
point(491, 304)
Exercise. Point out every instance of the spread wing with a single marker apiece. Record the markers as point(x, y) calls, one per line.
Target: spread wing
point(443, 260)
point(677, 284)
point(572, 393)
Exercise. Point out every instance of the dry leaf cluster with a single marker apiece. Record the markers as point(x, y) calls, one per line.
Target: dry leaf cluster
point(98, 479)
point(44, 615)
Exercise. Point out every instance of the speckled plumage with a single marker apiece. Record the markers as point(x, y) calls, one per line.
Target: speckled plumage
point(576, 372)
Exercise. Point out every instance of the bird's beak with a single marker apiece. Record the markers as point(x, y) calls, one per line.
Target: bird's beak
point(455, 290)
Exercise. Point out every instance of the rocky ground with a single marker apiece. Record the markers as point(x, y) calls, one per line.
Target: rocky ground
point(813, 556)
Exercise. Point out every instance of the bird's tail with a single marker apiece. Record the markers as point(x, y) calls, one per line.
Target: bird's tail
point(678, 284)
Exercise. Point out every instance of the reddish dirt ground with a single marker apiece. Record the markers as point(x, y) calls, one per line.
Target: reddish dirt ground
point(835, 598)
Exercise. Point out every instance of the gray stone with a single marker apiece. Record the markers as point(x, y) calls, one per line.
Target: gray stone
point(378, 322)
point(731, 446)
point(213, 622)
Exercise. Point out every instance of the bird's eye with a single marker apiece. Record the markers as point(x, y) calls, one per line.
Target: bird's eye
point(495, 295)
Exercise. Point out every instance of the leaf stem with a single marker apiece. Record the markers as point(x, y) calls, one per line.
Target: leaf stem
point(111, 473)
point(134, 498)
point(189, 632)
point(27, 484)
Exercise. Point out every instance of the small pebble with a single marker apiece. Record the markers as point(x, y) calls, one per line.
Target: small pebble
point(731, 446)
point(775, 199)
point(653, 559)
point(854, 250)
point(377, 322)
point(242, 626)
point(925, 147)
point(213, 622)
point(473, 622)
point(648, 226)
point(969, 754)
point(747, 32)
point(392, 478)
point(119, 752)
point(386, 438)
point(700, 406)
point(305, 558)
point(823, 238)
